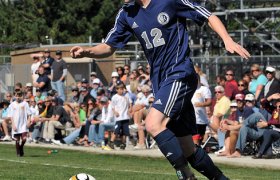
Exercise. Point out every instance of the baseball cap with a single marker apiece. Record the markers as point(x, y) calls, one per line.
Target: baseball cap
point(28, 85)
point(96, 81)
point(115, 74)
point(74, 88)
point(84, 80)
point(83, 89)
point(104, 99)
point(239, 97)
point(47, 51)
point(93, 74)
point(233, 104)
point(58, 52)
point(270, 69)
point(51, 92)
point(249, 97)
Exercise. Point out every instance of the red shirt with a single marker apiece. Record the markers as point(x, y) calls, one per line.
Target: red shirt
point(231, 89)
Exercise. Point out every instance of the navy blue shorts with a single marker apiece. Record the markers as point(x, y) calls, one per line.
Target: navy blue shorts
point(121, 127)
point(174, 100)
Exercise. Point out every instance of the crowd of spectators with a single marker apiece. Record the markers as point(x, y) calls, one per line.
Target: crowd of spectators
point(108, 116)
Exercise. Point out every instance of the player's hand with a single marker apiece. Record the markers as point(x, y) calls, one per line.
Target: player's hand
point(76, 52)
point(234, 47)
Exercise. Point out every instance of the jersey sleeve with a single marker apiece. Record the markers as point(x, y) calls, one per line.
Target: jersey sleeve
point(193, 11)
point(120, 34)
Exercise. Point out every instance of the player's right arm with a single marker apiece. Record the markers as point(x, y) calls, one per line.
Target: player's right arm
point(116, 39)
point(100, 51)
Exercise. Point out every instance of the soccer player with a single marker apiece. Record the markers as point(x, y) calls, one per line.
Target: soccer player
point(160, 26)
point(19, 112)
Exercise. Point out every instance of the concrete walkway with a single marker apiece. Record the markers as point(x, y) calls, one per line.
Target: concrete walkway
point(245, 161)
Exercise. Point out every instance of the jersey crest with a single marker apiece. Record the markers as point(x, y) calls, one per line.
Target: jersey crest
point(163, 18)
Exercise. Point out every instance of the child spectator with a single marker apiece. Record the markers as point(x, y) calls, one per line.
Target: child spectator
point(120, 106)
point(19, 113)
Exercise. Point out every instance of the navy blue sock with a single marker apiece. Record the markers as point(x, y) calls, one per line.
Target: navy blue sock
point(171, 149)
point(200, 161)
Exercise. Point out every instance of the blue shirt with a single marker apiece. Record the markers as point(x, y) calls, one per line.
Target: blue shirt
point(161, 31)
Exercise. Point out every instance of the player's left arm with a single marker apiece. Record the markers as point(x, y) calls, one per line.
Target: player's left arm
point(231, 46)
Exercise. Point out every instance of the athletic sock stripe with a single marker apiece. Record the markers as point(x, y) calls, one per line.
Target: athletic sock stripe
point(115, 26)
point(202, 12)
point(170, 97)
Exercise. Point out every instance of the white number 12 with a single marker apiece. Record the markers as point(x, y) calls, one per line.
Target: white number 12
point(157, 41)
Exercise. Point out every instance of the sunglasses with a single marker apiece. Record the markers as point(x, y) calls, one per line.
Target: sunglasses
point(241, 85)
point(218, 92)
point(114, 77)
point(254, 70)
point(90, 103)
point(268, 72)
point(233, 106)
point(126, 69)
point(229, 74)
point(249, 101)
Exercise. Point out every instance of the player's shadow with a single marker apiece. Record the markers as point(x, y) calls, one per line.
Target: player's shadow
point(36, 156)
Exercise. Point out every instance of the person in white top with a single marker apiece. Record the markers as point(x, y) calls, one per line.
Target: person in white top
point(201, 99)
point(34, 70)
point(121, 109)
point(19, 113)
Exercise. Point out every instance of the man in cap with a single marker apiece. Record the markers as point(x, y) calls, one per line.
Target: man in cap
point(85, 95)
point(93, 76)
point(95, 86)
point(273, 84)
point(58, 75)
point(48, 60)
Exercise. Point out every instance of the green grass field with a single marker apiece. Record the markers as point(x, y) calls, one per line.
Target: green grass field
point(37, 164)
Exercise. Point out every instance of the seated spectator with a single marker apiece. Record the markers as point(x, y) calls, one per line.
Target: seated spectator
point(39, 96)
point(273, 84)
point(230, 127)
point(139, 110)
point(59, 120)
point(258, 82)
point(85, 95)
point(141, 127)
point(95, 86)
point(251, 102)
point(52, 94)
point(221, 108)
point(248, 131)
point(75, 95)
point(243, 87)
point(93, 76)
point(220, 80)
point(113, 83)
point(270, 135)
point(5, 121)
point(126, 73)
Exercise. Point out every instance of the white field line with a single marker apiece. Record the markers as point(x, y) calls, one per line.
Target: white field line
point(89, 168)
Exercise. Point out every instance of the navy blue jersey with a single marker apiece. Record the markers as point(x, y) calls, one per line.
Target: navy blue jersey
point(161, 30)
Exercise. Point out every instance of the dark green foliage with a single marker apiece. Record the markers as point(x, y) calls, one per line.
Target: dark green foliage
point(65, 21)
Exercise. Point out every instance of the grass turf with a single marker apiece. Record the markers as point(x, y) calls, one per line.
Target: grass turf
point(38, 164)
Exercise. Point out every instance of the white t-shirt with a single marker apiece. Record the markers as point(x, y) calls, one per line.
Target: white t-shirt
point(34, 68)
point(201, 93)
point(121, 105)
point(19, 112)
point(107, 115)
point(142, 99)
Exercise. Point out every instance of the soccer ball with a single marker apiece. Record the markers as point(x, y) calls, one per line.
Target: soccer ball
point(82, 176)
